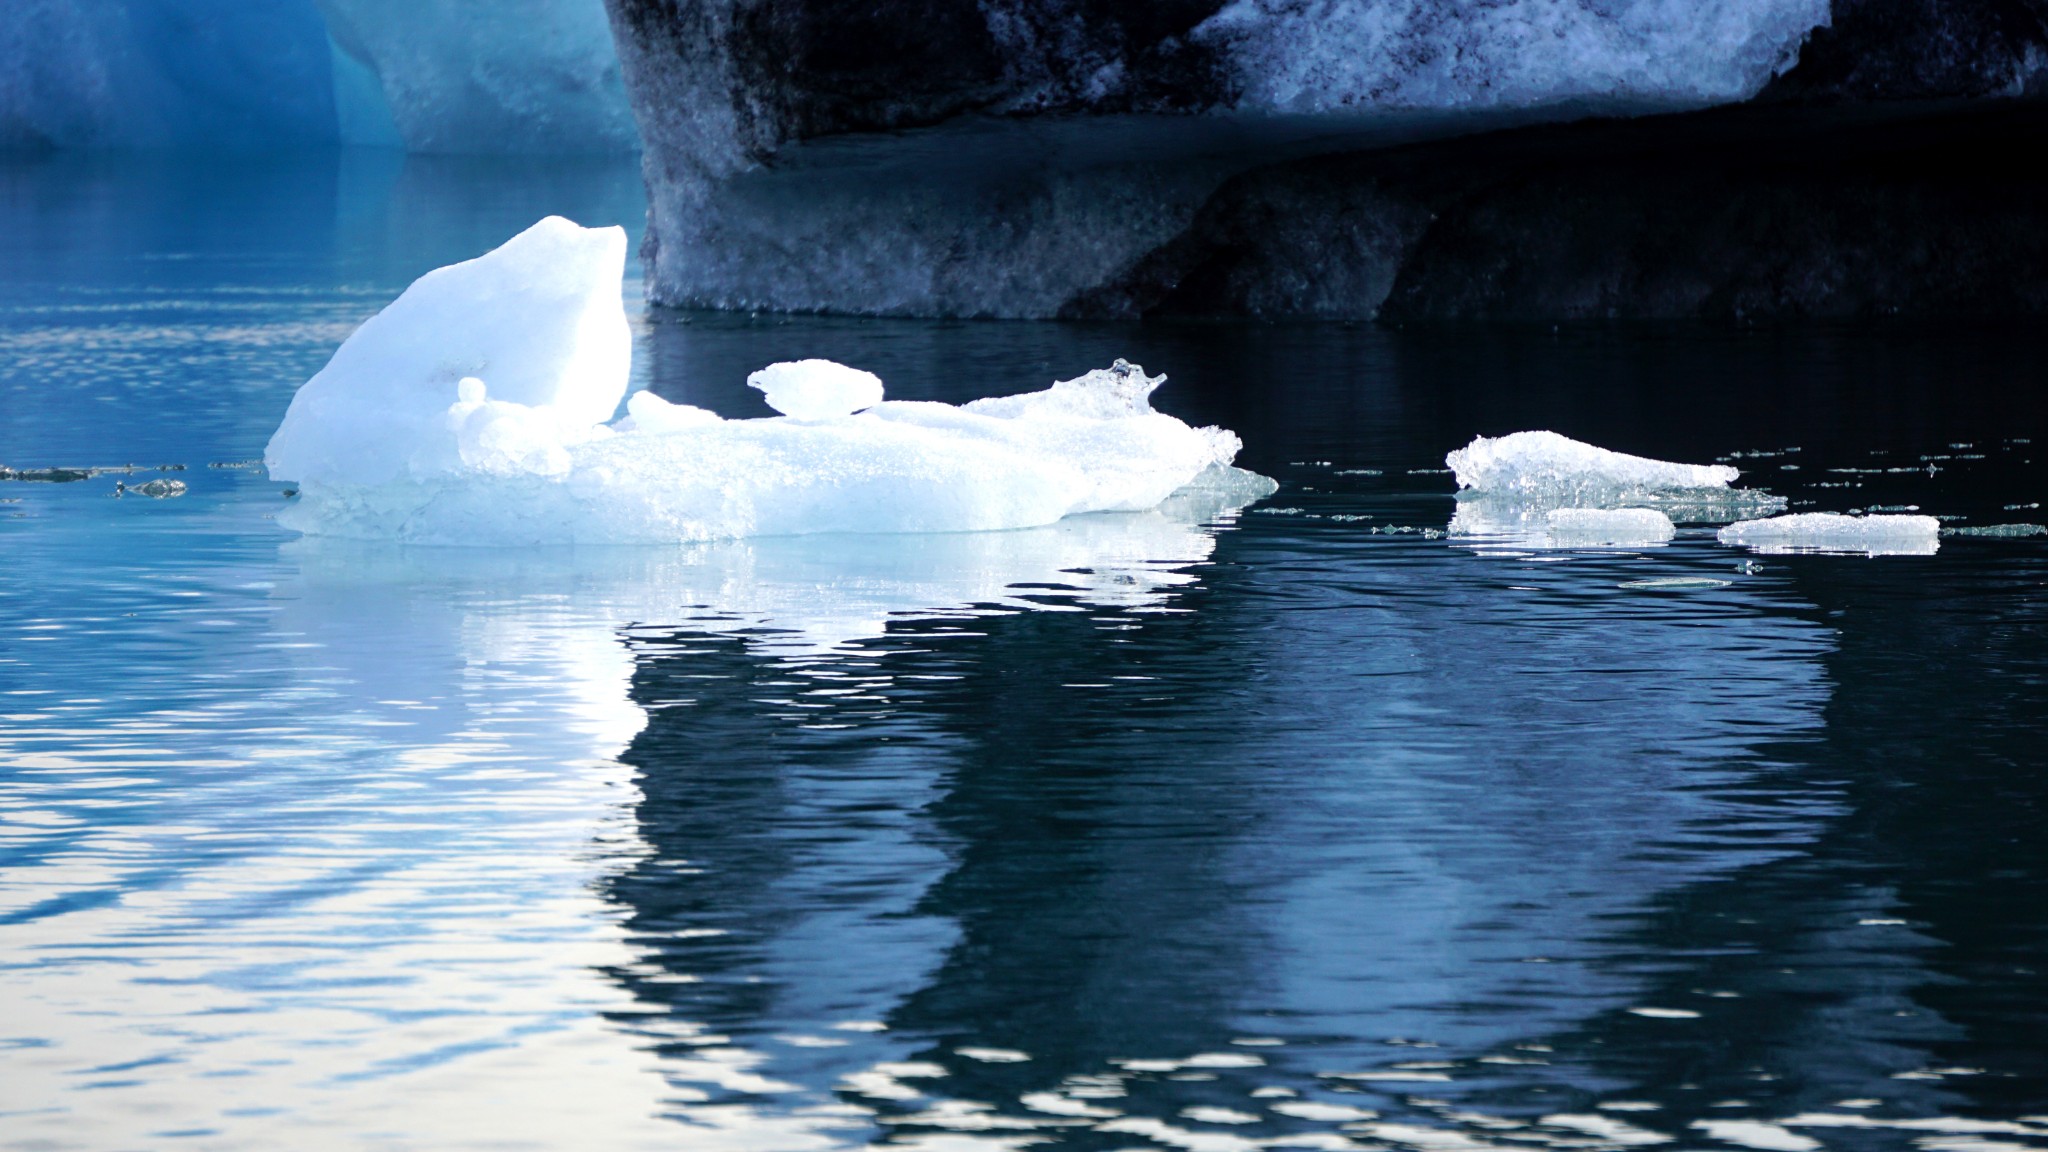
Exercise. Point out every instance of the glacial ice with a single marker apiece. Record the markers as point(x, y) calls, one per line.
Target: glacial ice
point(1321, 55)
point(1835, 532)
point(163, 73)
point(509, 76)
point(1547, 470)
point(433, 75)
point(470, 411)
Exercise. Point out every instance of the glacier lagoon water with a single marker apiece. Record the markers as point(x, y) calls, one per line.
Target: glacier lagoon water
point(1296, 827)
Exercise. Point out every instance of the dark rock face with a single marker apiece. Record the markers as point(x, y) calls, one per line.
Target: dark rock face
point(1921, 50)
point(1744, 213)
point(1885, 172)
point(799, 69)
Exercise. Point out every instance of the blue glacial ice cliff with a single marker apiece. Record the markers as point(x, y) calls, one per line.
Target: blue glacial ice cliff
point(430, 75)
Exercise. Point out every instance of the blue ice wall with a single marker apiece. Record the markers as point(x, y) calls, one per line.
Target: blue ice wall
point(460, 76)
point(165, 74)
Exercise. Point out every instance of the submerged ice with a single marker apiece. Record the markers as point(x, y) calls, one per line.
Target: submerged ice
point(472, 410)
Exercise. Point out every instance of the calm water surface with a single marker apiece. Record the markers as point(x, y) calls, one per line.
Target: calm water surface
point(1295, 826)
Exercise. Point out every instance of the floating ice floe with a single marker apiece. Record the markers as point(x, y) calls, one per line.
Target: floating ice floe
point(1547, 470)
point(1834, 532)
point(472, 411)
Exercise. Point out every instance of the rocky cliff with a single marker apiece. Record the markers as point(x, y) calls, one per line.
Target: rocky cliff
point(1340, 158)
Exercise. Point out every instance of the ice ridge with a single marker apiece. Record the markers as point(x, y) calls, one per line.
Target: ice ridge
point(471, 411)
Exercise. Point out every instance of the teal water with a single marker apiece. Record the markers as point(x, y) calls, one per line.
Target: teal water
point(1295, 826)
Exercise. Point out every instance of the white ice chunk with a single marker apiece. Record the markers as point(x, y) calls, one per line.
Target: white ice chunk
point(468, 412)
point(1545, 464)
point(538, 320)
point(1834, 532)
point(817, 389)
point(1546, 470)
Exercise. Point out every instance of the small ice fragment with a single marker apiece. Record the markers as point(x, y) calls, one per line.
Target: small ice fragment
point(1545, 465)
point(1223, 1060)
point(1210, 1114)
point(2011, 530)
point(1673, 584)
point(1666, 1013)
point(1054, 1104)
point(1834, 532)
point(159, 489)
point(993, 1055)
point(817, 389)
point(1757, 1134)
point(1317, 1110)
point(1606, 1128)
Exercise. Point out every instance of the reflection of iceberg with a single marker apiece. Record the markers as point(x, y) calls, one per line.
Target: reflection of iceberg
point(1834, 532)
point(1521, 525)
point(469, 412)
point(1548, 470)
point(799, 595)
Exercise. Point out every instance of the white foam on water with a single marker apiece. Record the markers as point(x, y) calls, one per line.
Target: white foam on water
point(1835, 532)
point(470, 412)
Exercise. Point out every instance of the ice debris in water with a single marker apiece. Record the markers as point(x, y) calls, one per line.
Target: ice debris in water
point(1545, 468)
point(1834, 532)
point(471, 411)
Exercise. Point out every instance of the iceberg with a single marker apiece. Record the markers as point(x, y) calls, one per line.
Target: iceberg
point(473, 410)
point(1547, 470)
point(1835, 532)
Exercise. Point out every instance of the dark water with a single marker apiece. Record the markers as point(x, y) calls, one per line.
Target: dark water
point(1280, 830)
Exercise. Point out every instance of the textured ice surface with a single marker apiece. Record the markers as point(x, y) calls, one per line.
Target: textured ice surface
point(470, 412)
point(1546, 470)
point(1314, 55)
point(1834, 532)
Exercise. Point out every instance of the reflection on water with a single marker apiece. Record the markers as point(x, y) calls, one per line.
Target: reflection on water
point(1292, 825)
